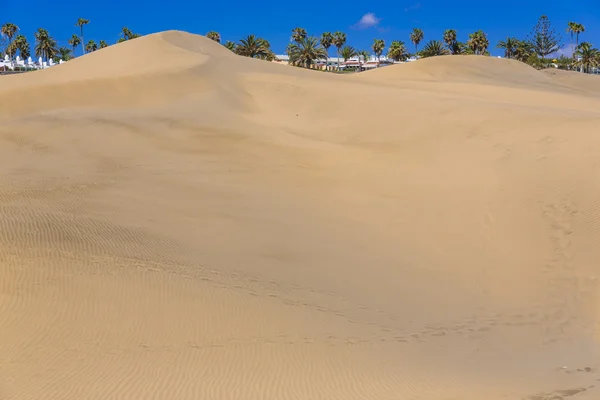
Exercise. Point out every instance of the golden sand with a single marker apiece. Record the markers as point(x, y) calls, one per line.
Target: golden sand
point(179, 222)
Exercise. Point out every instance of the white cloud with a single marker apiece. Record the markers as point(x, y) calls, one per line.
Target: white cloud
point(368, 20)
point(566, 51)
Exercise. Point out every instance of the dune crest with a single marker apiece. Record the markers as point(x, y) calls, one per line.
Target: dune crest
point(466, 69)
point(224, 228)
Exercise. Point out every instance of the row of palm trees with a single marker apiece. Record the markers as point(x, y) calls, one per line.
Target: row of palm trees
point(305, 50)
point(584, 56)
point(47, 47)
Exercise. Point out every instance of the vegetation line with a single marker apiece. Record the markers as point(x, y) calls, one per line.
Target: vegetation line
point(310, 51)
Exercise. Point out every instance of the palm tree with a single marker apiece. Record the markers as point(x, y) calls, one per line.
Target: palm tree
point(102, 44)
point(230, 45)
point(484, 42)
point(80, 23)
point(579, 28)
point(523, 50)
point(450, 39)
point(397, 51)
point(478, 42)
point(348, 52)
point(298, 34)
point(326, 42)
point(22, 45)
point(306, 51)
point(433, 48)
point(378, 46)
point(339, 40)
point(126, 34)
point(9, 31)
point(571, 31)
point(91, 46)
point(458, 48)
point(45, 45)
point(65, 53)
point(254, 47)
point(416, 36)
point(587, 56)
point(212, 35)
point(509, 45)
point(74, 41)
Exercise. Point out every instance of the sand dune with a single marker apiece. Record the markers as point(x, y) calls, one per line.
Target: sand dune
point(468, 69)
point(576, 80)
point(225, 228)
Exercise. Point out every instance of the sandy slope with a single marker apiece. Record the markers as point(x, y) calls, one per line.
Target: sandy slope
point(214, 227)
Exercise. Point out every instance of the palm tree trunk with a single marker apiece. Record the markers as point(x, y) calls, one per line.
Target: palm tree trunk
point(82, 41)
point(338, 54)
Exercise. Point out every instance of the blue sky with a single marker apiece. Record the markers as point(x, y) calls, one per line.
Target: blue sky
point(274, 20)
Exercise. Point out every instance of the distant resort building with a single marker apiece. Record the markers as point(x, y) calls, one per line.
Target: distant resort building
point(352, 64)
point(18, 65)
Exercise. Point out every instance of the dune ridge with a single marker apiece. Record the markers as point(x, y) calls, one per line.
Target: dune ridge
point(190, 224)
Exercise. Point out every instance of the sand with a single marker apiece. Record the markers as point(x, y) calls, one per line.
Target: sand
point(189, 224)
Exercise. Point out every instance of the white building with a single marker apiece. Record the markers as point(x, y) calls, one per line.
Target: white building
point(352, 63)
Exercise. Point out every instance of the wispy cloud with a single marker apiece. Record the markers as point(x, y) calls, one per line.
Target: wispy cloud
point(367, 21)
point(412, 7)
point(566, 51)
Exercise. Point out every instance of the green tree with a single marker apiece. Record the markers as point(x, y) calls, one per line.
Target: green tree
point(102, 44)
point(339, 40)
point(537, 62)
point(9, 30)
point(544, 38)
point(230, 45)
point(458, 48)
point(523, 50)
point(45, 45)
point(81, 22)
point(586, 56)
point(509, 45)
point(348, 52)
point(478, 42)
point(416, 36)
point(65, 53)
point(298, 34)
point(579, 28)
point(74, 42)
point(571, 27)
point(378, 46)
point(91, 46)
point(22, 45)
point(306, 51)
point(450, 39)
point(326, 42)
point(564, 62)
point(127, 34)
point(433, 48)
point(212, 35)
point(254, 47)
point(397, 51)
